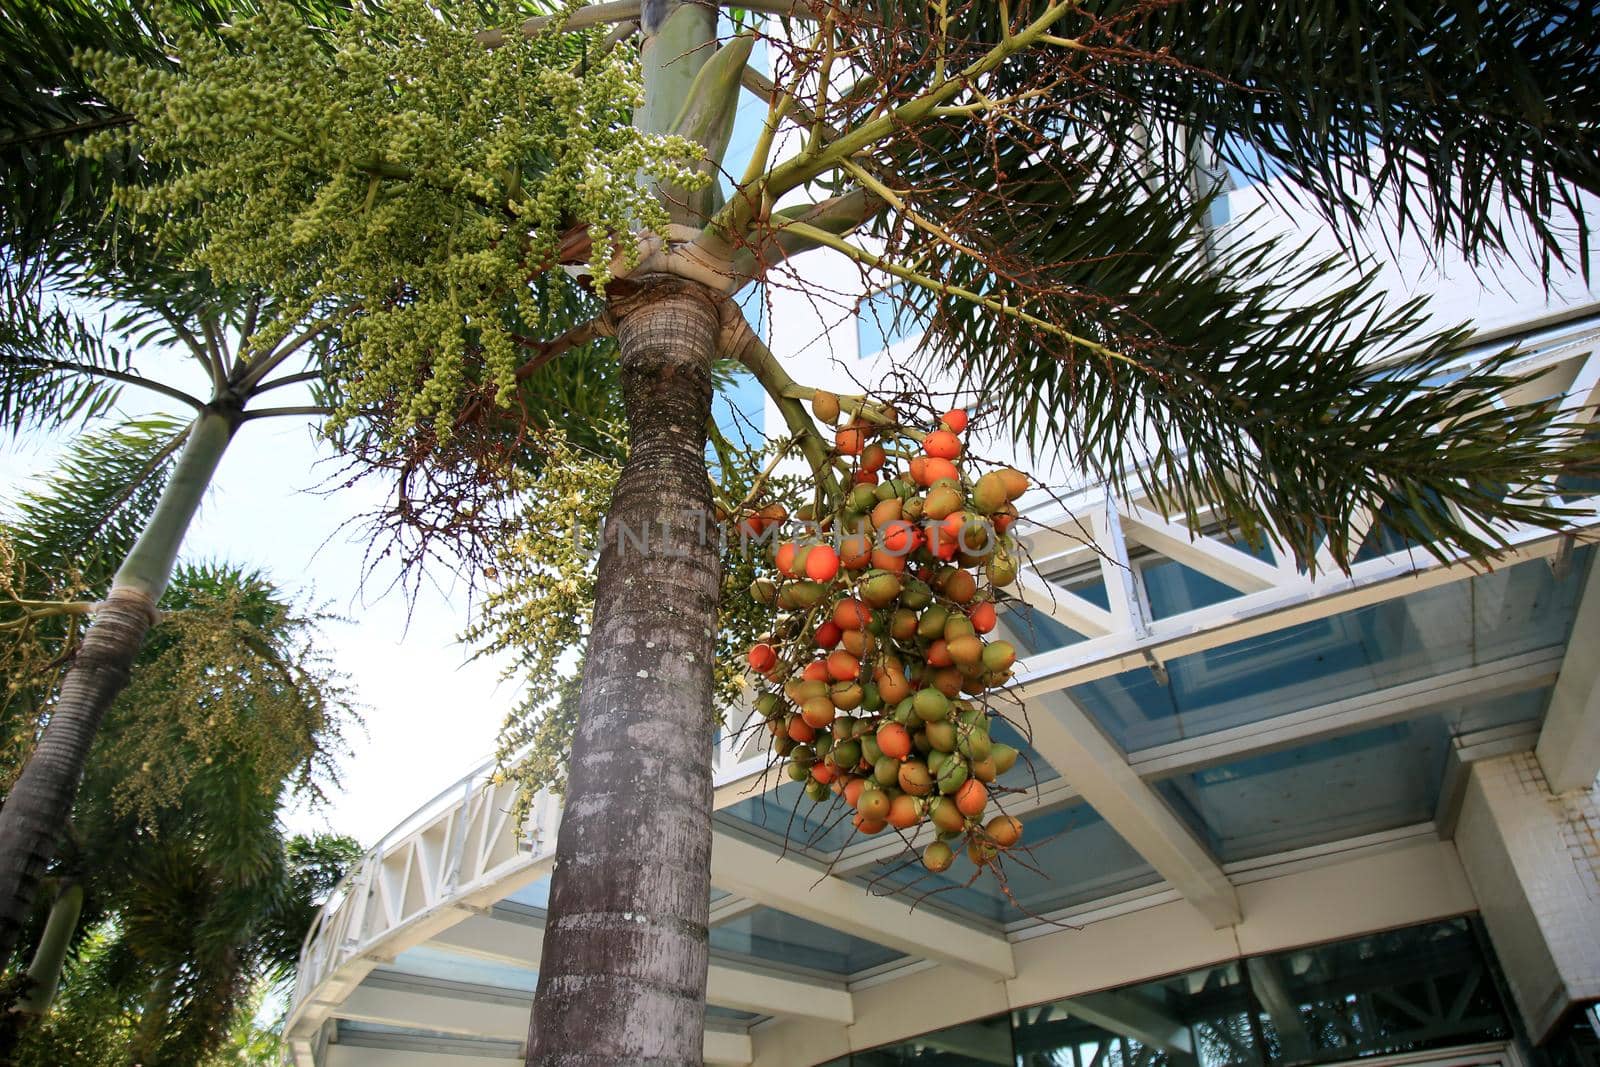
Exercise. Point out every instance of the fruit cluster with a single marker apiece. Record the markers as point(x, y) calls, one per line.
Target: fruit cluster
point(877, 663)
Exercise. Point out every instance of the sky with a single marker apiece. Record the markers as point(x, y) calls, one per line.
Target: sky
point(431, 713)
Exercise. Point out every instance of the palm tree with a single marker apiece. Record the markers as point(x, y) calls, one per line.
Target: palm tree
point(1030, 172)
point(177, 889)
point(175, 853)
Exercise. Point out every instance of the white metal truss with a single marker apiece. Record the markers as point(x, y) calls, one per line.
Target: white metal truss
point(437, 876)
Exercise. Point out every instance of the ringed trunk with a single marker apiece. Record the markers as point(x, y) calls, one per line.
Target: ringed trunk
point(41, 800)
point(622, 978)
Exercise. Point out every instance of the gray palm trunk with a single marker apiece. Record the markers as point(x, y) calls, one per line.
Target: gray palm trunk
point(623, 973)
point(40, 802)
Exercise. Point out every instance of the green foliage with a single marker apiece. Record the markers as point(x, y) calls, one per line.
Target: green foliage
point(145, 986)
point(231, 674)
point(42, 345)
point(1477, 121)
point(543, 600)
point(194, 895)
point(402, 167)
point(1210, 368)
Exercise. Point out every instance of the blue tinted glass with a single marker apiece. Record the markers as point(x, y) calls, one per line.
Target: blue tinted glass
point(787, 815)
point(1034, 631)
point(738, 407)
point(1173, 588)
point(430, 962)
point(774, 936)
point(1081, 858)
point(1478, 620)
point(1329, 790)
point(535, 895)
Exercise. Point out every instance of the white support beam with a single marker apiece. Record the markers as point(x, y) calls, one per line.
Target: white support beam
point(1231, 566)
point(500, 1017)
point(721, 1048)
point(507, 940)
point(443, 1011)
point(1071, 742)
point(1569, 745)
point(1067, 608)
point(1132, 1016)
point(803, 890)
point(1122, 585)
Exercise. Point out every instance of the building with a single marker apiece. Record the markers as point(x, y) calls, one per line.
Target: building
point(1277, 819)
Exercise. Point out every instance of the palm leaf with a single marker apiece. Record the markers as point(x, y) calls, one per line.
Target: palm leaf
point(1232, 372)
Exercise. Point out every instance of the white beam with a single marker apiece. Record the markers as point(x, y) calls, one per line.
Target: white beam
point(804, 890)
point(721, 1048)
point(1070, 741)
point(385, 1056)
point(506, 940)
point(1231, 566)
point(1569, 745)
point(501, 1018)
point(444, 1011)
point(1067, 608)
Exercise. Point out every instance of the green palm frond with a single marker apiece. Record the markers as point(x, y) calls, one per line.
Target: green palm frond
point(1229, 370)
point(57, 368)
point(1477, 124)
point(85, 515)
point(53, 202)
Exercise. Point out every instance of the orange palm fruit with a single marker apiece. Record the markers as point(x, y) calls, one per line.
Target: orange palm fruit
point(942, 444)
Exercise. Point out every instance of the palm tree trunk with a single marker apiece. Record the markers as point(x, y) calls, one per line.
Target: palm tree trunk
point(40, 801)
point(623, 974)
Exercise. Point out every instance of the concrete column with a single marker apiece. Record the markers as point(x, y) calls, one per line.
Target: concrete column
point(1533, 859)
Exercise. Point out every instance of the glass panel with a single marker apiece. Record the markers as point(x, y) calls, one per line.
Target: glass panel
point(773, 936)
point(1034, 631)
point(1173, 588)
point(784, 816)
point(1361, 783)
point(534, 895)
point(1082, 859)
point(430, 962)
point(1329, 790)
point(1474, 621)
point(1399, 991)
point(1197, 1019)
